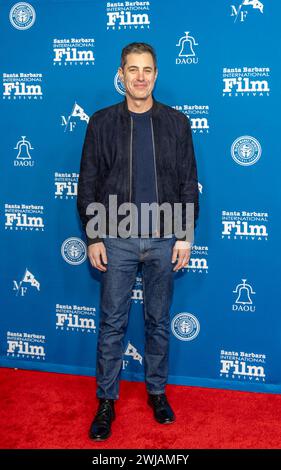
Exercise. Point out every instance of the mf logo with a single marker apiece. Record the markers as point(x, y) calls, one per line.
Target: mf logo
point(28, 280)
point(68, 122)
point(133, 352)
point(240, 12)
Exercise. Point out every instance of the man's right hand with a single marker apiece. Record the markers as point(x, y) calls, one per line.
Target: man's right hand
point(97, 256)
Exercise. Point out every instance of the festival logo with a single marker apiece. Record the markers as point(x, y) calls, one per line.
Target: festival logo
point(74, 251)
point(65, 185)
point(246, 81)
point(22, 217)
point(198, 116)
point(242, 366)
point(72, 51)
point(75, 318)
point(119, 86)
point(185, 326)
point(22, 345)
point(16, 86)
point(198, 262)
point(244, 225)
point(22, 15)
point(246, 150)
point(128, 15)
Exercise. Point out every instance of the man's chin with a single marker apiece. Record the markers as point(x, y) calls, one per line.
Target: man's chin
point(141, 96)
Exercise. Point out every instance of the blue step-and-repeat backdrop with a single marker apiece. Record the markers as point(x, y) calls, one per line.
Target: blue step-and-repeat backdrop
point(219, 63)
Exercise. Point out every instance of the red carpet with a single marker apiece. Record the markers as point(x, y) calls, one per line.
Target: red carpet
point(54, 411)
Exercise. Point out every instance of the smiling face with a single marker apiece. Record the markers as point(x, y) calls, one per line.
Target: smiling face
point(138, 75)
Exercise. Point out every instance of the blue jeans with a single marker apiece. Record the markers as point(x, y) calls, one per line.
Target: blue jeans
point(124, 256)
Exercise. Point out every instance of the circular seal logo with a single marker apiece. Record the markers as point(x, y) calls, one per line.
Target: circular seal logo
point(119, 85)
point(22, 15)
point(185, 326)
point(246, 150)
point(74, 250)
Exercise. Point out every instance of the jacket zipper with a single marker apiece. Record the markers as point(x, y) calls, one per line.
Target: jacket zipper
point(155, 173)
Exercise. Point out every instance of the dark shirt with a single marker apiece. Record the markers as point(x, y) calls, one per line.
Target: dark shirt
point(143, 167)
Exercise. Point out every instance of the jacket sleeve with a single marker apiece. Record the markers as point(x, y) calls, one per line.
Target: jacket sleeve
point(88, 177)
point(188, 178)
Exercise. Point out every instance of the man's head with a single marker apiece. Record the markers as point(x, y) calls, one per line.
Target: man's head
point(138, 70)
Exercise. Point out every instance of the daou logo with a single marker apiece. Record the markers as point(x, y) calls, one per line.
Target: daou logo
point(186, 53)
point(243, 302)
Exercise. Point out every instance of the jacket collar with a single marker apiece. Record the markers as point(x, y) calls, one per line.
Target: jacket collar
point(125, 110)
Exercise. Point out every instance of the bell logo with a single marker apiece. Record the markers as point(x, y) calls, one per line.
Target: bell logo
point(23, 157)
point(243, 302)
point(187, 54)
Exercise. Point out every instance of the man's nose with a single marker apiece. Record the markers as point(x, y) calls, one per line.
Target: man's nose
point(140, 75)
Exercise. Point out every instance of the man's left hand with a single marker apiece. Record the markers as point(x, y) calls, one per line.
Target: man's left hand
point(181, 251)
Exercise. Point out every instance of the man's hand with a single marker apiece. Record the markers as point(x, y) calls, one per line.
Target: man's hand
point(181, 250)
point(97, 255)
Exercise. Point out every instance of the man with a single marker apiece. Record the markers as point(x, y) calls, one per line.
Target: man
point(141, 151)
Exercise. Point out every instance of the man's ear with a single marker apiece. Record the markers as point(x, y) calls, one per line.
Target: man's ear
point(120, 73)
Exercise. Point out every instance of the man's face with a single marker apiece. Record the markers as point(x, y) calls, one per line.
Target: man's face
point(138, 75)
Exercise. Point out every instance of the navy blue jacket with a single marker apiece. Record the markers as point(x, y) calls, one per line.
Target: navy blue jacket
point(106, 162)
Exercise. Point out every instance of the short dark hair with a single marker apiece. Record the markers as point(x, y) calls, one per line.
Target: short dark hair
point(138, 47)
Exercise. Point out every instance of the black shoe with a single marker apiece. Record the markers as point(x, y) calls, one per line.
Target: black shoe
point(163, 413)
point(101, 426)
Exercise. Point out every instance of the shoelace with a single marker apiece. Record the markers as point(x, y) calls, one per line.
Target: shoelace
point(103, 409)
point(161, 400)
